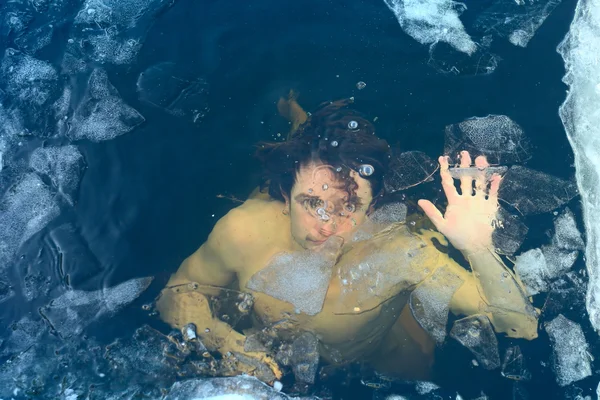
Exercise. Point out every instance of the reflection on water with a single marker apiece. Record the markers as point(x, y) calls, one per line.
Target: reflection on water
point(81, 84)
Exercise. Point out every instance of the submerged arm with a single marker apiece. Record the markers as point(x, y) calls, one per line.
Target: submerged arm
point(468, 224)
point(511, 310)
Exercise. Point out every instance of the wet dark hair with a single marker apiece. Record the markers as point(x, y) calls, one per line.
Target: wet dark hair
point(333, 135)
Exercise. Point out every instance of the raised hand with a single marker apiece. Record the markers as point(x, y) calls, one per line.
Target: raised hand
point(470, 217)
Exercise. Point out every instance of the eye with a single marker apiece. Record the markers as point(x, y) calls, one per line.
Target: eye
point(350, 207)
point(312, 203)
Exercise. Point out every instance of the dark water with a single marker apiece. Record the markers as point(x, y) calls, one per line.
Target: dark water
point(150, 197)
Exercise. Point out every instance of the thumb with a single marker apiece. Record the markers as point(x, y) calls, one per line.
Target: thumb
point(433, 213)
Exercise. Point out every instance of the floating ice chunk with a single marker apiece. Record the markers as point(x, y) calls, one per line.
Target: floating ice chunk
point(476, 334)
point(408, 169)
point(513, 365)
point(497, 137)
point(558, 261)
point(566, 296)
point(579, 114)
point(300, 278)
point(533, 192)
point(516, 20)
point(566, 234)
point(430, 302)
point(236, 388)
point(27, 208)
point(305, 357)
point(571, 359)
point(389, 213)
point(33, 85)
point(143, 353)
point(70, 313)
point(510, 233)
point(425, 387)
point(432, 21)
point(532, 270)
point(102, 115)
point(164, 85)
point(113, 31)
point(62, 164)
point(369, 273)
point(538, 267)
point(381, 218)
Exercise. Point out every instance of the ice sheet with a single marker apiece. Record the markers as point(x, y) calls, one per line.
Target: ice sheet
point(579, 114)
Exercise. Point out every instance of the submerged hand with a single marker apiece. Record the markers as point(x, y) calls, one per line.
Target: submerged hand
point(469, 219)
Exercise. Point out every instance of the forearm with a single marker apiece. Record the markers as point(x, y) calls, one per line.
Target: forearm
point(510, 309)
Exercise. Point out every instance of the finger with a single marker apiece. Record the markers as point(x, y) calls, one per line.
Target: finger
point(447, 180)
point(466, 182)
point(480, 179)
point(433, 213)
point(494, 187)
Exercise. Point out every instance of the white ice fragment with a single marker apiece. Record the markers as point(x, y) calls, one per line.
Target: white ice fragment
point(277, 386)
point(579, 114)
point(532, 270)
point(299, 278)
point(433, 21)
point(570, 351)
point(102, 114)
point(566, 234)
point(423, 387)
point(242, 387)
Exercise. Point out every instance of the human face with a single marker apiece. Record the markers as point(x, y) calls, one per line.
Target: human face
point(320, 207)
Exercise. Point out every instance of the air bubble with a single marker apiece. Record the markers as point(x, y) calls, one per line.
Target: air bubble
point(366, 170)
point(353, 125)
point(361, 85)
point(325, 186)
point(334, 143)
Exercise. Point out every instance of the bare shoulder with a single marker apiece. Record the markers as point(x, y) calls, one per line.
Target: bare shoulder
point(248, 228)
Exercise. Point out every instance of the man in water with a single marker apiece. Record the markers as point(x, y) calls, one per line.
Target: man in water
point(311, 227)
